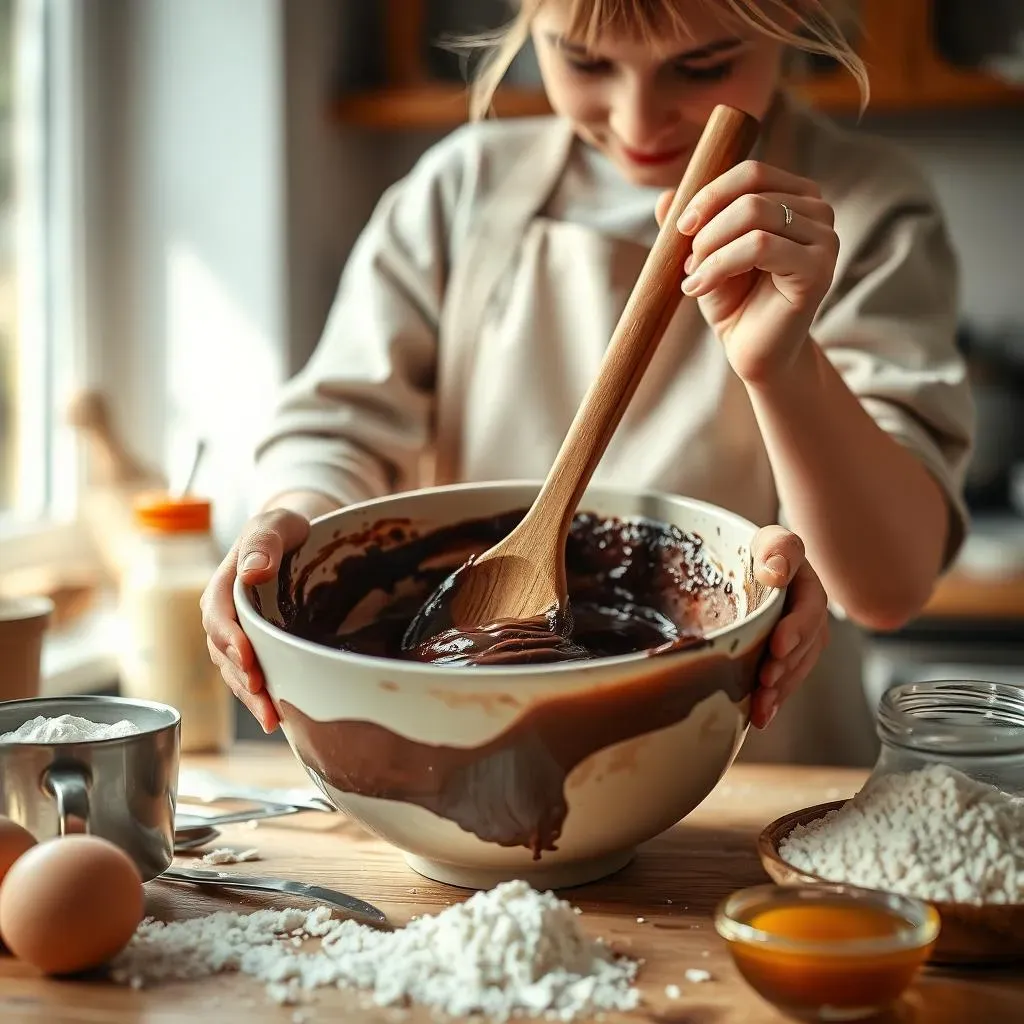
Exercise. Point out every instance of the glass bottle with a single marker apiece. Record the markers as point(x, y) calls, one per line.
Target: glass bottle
point(164, 656)
point(974, 726)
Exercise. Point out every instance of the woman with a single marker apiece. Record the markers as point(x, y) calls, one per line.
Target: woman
point(814, 380)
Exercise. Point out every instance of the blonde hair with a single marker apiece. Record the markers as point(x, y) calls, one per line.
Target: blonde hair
point(650, 20)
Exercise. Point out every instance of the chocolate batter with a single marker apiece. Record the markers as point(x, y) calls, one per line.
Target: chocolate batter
point(632, 586)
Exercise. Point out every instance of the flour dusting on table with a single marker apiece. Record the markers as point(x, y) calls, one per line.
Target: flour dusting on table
point(509, 952)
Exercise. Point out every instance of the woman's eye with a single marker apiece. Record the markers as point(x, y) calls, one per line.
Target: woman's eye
point(588, 67)
point(709, 73)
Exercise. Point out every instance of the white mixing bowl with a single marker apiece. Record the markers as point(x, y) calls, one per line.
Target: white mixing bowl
point(551, 773)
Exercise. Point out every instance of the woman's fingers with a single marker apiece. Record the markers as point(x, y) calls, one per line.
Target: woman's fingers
point(783, 258)
point(219, 617)
point(257, 701)
point(256, 557)
point(802, 631)
point(767, 701)
point(264, 542)
point(795, 642)
point(810, 223)
point(805, 616)
point(777, 554)
point(750, 176)
point(763, 707)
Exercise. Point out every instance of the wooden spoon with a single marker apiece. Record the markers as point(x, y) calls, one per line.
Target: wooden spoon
point(523, 576)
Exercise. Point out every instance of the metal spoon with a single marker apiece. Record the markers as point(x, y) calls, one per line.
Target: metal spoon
point(191, 837)
point(185, 487)
point(195, 830)
point(183, 820)
point(229, 880)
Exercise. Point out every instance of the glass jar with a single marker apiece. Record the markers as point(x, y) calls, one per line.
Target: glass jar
point(163, 654)
point(973, 726)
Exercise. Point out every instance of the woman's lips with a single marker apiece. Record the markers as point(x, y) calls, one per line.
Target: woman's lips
point(662, 156)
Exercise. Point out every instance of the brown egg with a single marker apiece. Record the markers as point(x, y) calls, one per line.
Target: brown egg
point(70, 904)
point(14, 841)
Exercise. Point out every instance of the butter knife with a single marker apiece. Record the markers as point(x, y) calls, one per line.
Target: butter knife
point(229, 880)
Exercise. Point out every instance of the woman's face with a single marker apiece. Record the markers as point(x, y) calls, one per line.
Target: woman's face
point(645, 107)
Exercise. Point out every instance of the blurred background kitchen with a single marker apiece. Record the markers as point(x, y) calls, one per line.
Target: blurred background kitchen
point(180, 184)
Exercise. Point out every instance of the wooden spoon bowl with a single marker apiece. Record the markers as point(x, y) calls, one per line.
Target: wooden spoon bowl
point(971, 935)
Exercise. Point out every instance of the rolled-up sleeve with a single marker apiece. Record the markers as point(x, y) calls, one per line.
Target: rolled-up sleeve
point(354, 423)
point(889, 325)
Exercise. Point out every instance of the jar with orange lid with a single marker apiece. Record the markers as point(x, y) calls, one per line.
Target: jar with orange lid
point(163, 651)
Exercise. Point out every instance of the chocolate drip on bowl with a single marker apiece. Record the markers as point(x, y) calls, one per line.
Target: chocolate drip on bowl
point(510, 790)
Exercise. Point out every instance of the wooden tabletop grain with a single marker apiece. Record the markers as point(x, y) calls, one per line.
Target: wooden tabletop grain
point(673, 885)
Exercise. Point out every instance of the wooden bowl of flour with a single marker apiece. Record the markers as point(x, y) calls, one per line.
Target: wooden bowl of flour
point(971, 935)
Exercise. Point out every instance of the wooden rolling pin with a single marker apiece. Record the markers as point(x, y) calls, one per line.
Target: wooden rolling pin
point(114, 477)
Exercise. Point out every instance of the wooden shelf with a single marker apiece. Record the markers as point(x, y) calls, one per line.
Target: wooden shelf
point(432, 105)
point(947, 88)
point(937, 84)
point(442, 106)
point(907, 75)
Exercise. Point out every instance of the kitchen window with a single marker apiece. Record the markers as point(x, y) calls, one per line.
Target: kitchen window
point(42, 345)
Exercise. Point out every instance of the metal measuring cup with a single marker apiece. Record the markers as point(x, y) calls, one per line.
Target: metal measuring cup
point(123, 789)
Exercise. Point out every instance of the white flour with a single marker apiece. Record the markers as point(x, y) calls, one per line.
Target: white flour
point(67, 729)
point(932, 833)
point(509, 952)
point(226, 856)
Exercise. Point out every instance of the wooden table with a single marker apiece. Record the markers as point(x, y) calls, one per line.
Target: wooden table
point(674, 885)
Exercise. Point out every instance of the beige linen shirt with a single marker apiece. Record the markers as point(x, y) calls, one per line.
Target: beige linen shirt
point(478, 302)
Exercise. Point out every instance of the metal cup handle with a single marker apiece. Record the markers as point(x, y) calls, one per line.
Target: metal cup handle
point(69, 786)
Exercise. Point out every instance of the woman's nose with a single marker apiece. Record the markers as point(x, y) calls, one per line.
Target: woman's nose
point(641, 118)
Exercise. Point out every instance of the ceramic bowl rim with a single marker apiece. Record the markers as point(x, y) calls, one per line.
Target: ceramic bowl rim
point(249, 616)
point(26, 609)
point(922, 928)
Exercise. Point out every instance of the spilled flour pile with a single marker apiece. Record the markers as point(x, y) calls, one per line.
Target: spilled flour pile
point(509, 952)
point(932, 833)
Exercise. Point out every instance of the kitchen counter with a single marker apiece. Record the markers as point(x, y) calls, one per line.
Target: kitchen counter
point(673, 885)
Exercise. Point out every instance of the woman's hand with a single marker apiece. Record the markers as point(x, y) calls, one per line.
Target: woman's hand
point(801, 633)
point(758, 280)
point(256, 556)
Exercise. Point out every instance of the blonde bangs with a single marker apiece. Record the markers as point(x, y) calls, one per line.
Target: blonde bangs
point(652, 21)
point(644, 21)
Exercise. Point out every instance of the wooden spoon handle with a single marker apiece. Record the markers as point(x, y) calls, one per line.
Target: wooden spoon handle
point(727, 138)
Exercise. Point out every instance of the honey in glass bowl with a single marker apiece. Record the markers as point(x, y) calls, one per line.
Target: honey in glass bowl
point(828, 952)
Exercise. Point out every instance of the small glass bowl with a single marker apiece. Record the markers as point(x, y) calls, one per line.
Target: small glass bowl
point(856, 953)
